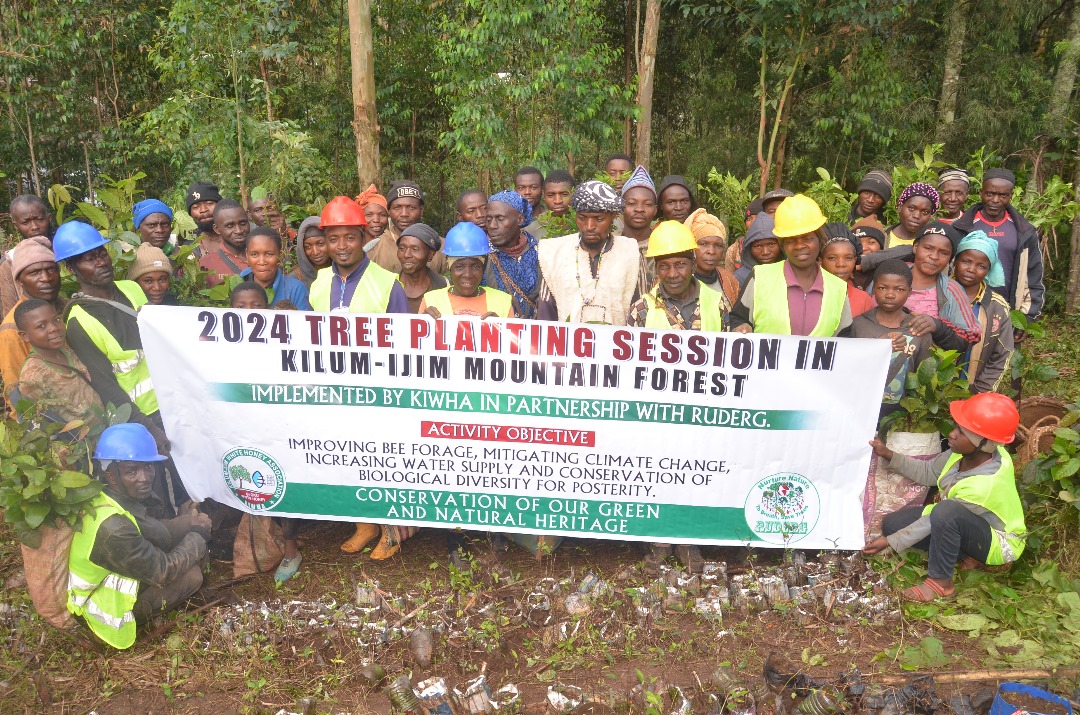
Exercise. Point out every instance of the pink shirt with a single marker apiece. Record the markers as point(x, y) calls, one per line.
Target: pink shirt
point(923, 301)
point(804, 308)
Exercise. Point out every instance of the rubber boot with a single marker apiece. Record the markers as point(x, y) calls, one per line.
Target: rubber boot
point(364, 534)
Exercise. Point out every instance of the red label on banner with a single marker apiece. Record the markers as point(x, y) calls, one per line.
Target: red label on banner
point(502, 433)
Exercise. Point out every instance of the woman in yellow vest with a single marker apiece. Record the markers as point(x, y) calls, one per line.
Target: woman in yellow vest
point(678, 301)
point(979, 519)
point(467, 247)
point(794, 296)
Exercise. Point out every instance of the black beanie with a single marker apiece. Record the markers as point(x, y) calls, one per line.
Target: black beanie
point(202, 191)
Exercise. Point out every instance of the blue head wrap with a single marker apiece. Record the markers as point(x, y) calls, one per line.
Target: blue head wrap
point(979, 241)
point(516, 200)
point(149, 206)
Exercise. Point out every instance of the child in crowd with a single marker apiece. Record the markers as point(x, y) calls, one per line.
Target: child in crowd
point(153, 272)
point(53, 376)
point(978, 270)
point(839, 256)
point(891, 320)
point(249, 295)
point(871, 238)
point(980, 518)
point(760, 247)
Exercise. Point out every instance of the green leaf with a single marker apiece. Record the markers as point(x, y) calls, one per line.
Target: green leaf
point(35, 514)
point(929, 653)
point(1067, 433)
point(963, 621)
point(72, 480)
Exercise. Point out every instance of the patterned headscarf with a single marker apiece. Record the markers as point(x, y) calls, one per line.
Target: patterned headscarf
point(920, 188)
point(519, 204)
point(369, 196)
point(979, 241)
point(596, 197)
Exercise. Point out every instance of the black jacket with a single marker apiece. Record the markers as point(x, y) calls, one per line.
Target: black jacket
point(1029, 295)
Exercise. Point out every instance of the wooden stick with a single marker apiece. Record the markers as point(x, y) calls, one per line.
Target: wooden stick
point(413, 612)
point(968, 676)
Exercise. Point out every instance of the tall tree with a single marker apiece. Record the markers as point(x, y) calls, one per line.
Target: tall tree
point(365, 118)
point(956, 23)
point(646, 70)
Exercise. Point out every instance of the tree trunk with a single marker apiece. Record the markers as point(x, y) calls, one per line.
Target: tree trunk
point(365, 120)
point(950, 82)
point(1072, 293)
point(1057, 113)
point(646, 70)
point(629, 36)
point(33, 154)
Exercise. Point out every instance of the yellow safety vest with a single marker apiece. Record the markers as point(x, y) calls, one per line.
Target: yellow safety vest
point(771, 304)
point(498, 302)
point(710, 301)
point(372, 294)
point(128, 366)
point(105, 599)
point(996, 493)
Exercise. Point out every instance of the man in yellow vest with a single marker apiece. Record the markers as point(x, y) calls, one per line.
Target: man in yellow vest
point(102, 327)
point(678, 301)
point(980, 519)
point(125, 564)
point(794, 296)
point(356, 284)
point(353, 282)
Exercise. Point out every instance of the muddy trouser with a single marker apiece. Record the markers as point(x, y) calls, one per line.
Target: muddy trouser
point(159, 599)
point(167, 484)
point(955, 532)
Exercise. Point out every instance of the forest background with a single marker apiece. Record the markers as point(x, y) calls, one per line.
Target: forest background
point(739, 96)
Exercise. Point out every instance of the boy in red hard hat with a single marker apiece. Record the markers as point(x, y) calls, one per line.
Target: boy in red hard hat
point(979, 519)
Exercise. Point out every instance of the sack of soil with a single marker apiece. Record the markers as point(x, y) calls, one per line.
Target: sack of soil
point(887, 491)
point(259, 545)
point(1016, 698)
point(46, 570)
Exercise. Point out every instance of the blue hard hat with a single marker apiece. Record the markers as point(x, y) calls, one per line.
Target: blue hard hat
point(128, 442)
point(75, 238)
point(466, 239)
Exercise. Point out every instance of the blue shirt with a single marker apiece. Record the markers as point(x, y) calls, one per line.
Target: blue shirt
point(285, 288)
point(342, 290)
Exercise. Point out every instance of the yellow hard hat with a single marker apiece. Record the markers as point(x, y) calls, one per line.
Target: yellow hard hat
point(797, 215)
point(670, 237)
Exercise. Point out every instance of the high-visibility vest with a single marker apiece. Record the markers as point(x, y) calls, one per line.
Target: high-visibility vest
point(372, 294)
point(996, 493)
point(498, 302)
point(771, 303)
point(128, 366)
point(105, 599)
point(709, 300)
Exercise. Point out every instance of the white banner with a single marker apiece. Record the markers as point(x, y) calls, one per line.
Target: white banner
point(521, 426)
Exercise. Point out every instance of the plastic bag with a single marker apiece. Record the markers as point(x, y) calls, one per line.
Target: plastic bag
point(887, 491)
point(47, 575)
point(259, 545)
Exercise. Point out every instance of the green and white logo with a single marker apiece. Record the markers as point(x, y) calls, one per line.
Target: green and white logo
point(782, 508)
point(254, 477)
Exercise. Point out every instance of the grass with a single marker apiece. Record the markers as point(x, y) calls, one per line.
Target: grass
point(1060, 349)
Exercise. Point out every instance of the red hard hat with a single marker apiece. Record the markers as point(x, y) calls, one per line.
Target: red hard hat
point(342, 211)
point(988, 414)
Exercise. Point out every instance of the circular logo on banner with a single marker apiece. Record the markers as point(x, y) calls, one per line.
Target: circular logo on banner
point(782, 508)
point(254, 477)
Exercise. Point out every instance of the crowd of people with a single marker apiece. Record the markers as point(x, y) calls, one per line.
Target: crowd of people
point(621, 251)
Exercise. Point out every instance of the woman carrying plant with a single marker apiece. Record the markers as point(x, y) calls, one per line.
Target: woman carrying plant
point(978, 271)
point(979, 519)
